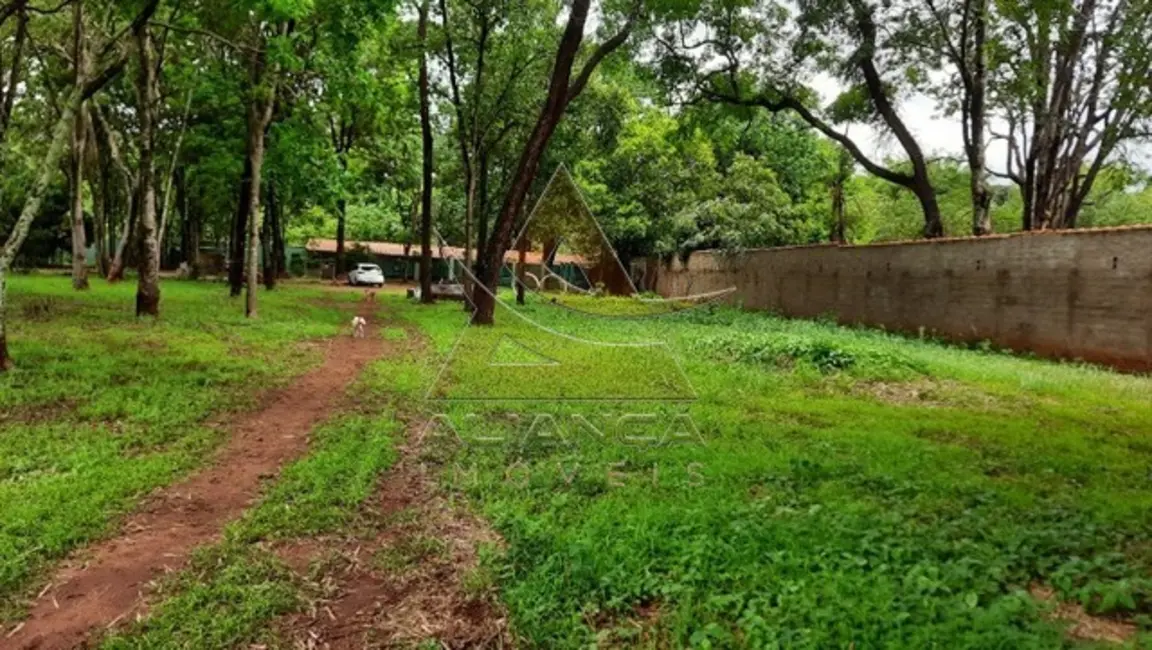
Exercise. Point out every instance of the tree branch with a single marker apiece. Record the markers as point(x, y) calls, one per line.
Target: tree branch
point(204, 32)
point(791, 103)
point(606, 48)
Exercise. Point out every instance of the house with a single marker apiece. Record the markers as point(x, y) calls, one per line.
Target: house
point(402, 261)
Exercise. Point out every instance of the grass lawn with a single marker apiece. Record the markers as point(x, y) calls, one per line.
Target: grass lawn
point(102, 408)
point(828, 487)
point(707, 479)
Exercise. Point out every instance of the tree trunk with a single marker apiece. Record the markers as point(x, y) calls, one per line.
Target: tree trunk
point(933, 225)
point(981, 197)
point(76, 181)
point(341, 221)
point(278, 241)
point(166, 197)
point(256, 126)
point(240, 228)
point(79, 142)
point(103, 211)
point(426, 187)
point(127, 231)
point(560, 93)
point(111, 151)
point(148, 264)
point(270, 271)
point(16, 67)
point(32, 202)
point(521, 263)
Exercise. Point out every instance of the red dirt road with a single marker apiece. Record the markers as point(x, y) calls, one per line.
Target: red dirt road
point(106, 583)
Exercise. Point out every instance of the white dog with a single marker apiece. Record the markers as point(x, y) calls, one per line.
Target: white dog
point(358, 324)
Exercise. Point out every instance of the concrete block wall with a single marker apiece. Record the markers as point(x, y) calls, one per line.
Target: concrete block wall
point(1084, 294)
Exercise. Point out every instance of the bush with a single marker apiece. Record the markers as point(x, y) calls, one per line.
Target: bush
point(824, 353)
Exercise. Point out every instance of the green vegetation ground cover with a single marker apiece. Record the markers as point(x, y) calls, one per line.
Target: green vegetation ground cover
point(837, 487)
point(849, 487)
point(102, 408)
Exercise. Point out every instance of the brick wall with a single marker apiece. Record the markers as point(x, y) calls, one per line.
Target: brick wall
point(1083, 294)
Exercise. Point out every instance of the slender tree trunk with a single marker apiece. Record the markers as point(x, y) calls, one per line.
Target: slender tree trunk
point(15, 68)
point(79, 142)
point(341, 221)
point(426, 189)
point(79, 238)
point(278, 241)
point(240, 228)
point(32, 202)
point(270, 271)
point(166, 197)
point(103, 211)
point(127, 231)
point(148, 264)
point(981, 197)
point(115, 270)
point(257, 123)
point(521, 271)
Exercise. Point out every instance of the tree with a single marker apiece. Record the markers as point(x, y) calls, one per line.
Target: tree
point(562, 89)
point(732, 34)
point(79, 142)
point(955, 34)
point(426, 185)
point(82, 91)
point(1072, 84)
point(147, 94)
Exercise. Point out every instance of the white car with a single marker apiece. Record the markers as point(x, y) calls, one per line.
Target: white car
point(366, 274)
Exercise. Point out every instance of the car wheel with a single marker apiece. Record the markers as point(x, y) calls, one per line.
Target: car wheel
point(380, 286)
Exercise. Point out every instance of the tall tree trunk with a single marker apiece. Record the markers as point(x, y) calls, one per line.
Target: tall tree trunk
point(189, 227)
point(270, 271)
point(341, 221)
point(166, 196)
point(976, 114)
point(148, 264)
point(79, 142)
point(9, 91)
point(839, 231)
point(278, 241)
point(103, 189)
point(115, 271)
point(521, 269)
point(561, 91)
point(426, 188)
point(259, 116)
point(32, 202)
point(481, 226)
point(240, 228)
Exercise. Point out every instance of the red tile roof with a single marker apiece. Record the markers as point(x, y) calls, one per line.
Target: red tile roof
point(391, 249)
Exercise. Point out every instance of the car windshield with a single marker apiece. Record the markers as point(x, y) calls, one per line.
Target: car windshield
point(369, 267)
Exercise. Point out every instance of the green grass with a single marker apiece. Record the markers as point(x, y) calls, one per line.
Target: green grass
point(834, 486)
point(756, 482)
point(101, 407)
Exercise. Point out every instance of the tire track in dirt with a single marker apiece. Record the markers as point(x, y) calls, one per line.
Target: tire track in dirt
point(106, 583)
point(406, 583)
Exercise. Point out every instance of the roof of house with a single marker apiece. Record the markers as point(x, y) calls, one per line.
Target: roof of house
point(392, 249)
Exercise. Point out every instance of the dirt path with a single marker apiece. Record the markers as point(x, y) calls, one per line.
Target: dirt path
point(106, 583)
point(414, 579)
